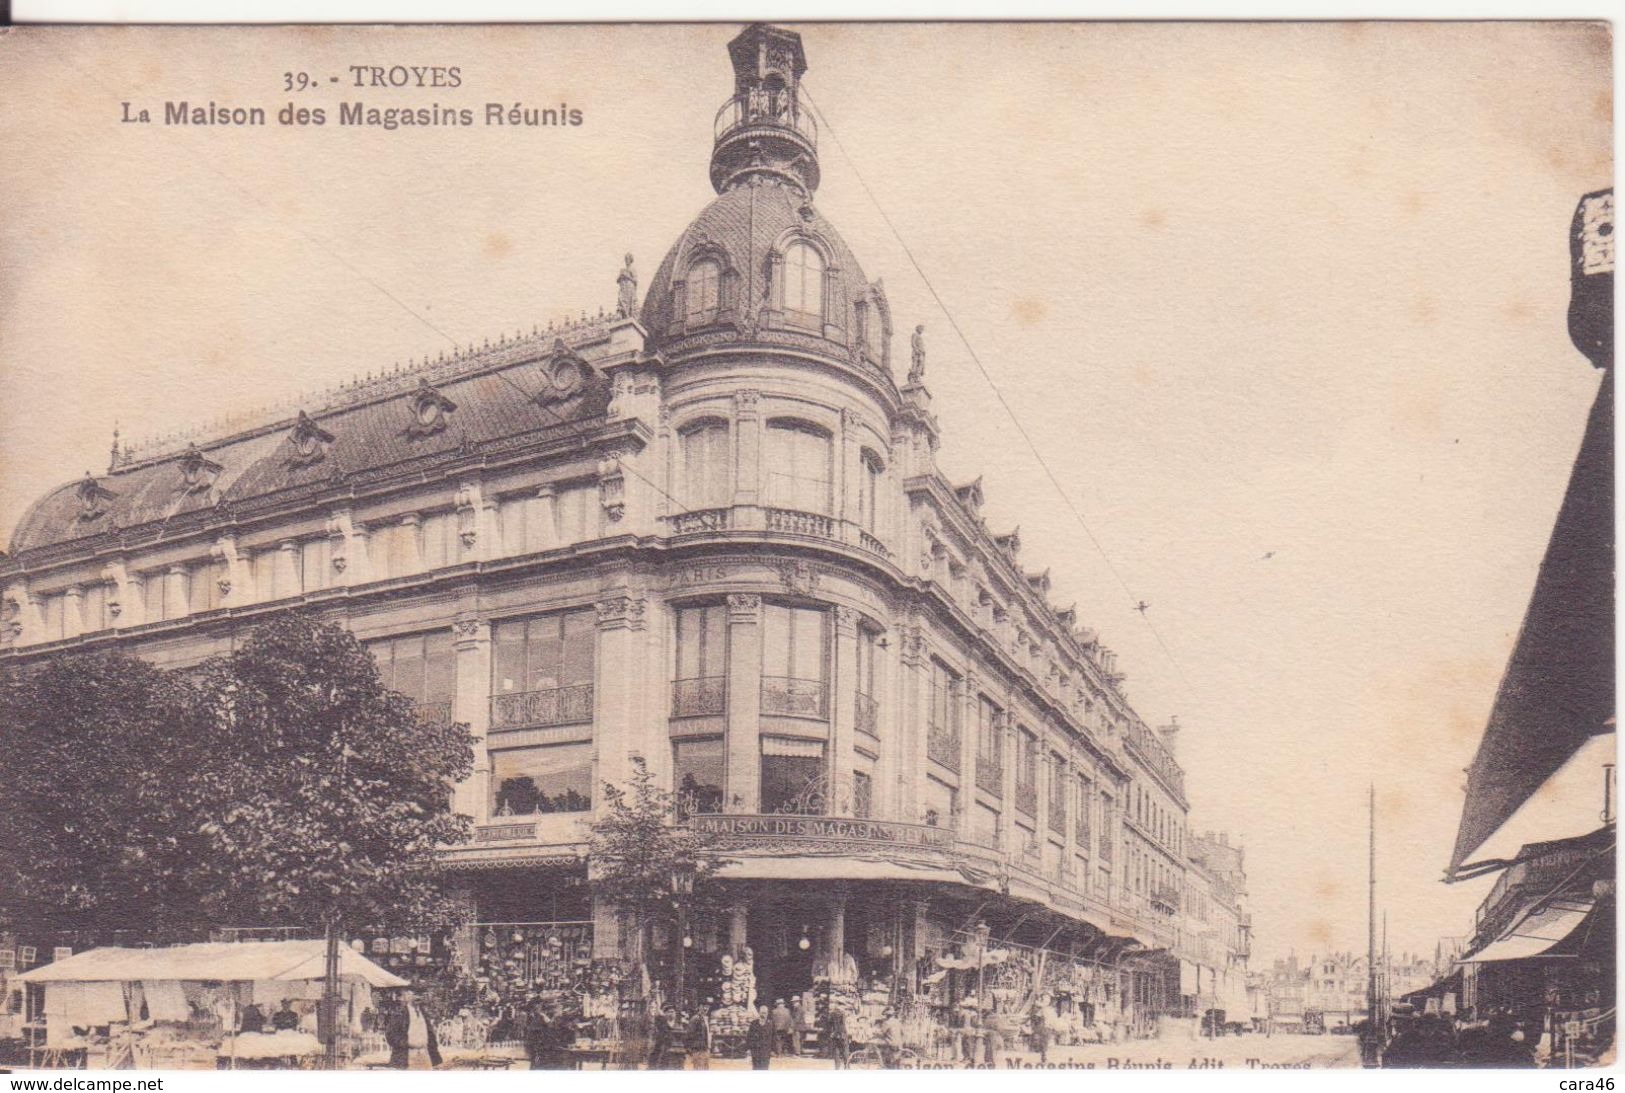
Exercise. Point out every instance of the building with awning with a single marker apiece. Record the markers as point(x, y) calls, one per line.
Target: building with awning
point(1543, 942)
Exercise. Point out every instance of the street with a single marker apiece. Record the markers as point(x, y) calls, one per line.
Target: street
point(1249, 1052)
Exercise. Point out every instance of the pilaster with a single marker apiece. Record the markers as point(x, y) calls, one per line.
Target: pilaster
point(747, 448)
point(843, 713)
point(73, 611)
point(471, 641)
point(744, 702)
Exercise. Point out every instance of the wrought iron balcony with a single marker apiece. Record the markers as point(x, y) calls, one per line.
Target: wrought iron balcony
point(761, 107)
point(702, 696)
point(1080, 829)
point(942, 744)
point(1057, 816)
point(792, 697)
point(990, 775)
point(866, 716)
point(433, 713)
point(1027, 797)
point(532, 709)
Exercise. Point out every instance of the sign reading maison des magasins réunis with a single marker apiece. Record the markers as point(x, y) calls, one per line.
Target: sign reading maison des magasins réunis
point(820, 827)
point(318, 100)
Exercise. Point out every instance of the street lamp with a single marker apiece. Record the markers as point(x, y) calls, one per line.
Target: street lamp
point(682, 888)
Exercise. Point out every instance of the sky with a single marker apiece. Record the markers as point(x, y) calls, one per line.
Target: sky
point(1281, 308)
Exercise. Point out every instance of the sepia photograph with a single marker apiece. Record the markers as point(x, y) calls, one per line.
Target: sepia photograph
point(813, 546)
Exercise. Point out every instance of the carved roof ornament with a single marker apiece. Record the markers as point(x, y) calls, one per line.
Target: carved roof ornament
point(308, 440)
point(566, 375)
point(198, 471)
point(1010, 542)
point(429, 409)
point(970, 495)
point(93, 498)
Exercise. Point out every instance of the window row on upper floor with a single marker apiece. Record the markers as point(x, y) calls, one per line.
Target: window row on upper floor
point(798, 470)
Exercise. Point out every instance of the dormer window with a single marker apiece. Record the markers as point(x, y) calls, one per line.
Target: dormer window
point(93, 498)
point(308, 440)
point(429, 409)
point(703, 292)
point(804, 282)
point(198, 472)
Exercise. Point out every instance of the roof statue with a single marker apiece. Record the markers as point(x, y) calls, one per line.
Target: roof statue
point(916, 371)
point(627, 302)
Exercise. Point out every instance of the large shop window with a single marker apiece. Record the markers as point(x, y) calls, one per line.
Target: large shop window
point(557, 778)
point(795, 644)
point(422, 667)
point(699, 772)
point(706, 466)
point(543, 670)
point(794, 776)
point(700, 688)
point(703, 291)
point(804, 282)
point(798, 467)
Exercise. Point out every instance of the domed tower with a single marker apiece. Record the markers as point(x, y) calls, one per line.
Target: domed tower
point(761, 265)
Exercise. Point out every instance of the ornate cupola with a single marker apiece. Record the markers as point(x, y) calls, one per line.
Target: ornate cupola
point(766, 127)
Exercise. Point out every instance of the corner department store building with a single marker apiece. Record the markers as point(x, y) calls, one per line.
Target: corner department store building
point(710, 533)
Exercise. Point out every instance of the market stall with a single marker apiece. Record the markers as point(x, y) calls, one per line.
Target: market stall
point(199, 1006)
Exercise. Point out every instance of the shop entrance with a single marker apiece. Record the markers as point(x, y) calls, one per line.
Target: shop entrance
point(776, 933)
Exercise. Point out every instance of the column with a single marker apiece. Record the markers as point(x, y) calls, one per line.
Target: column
point(1008, 752)
point(363, 566)
point(471, 639)
point(618, 693)
point(176, 596)
point(542, 524)
point(843, 714)
point(847, 471)
point(134, 612)
point(411, 539)
point(744, 702)
point(835, 935)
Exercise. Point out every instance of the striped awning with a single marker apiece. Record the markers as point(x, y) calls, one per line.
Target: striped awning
point(1536, 934)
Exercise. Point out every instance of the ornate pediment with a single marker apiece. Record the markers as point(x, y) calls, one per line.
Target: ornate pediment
point(566, 375)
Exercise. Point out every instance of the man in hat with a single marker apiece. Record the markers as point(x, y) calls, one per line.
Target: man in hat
point(697, 1038)
point(410, 1037)
point(781, 1028)
point(759, 1040)
point(840, 1041)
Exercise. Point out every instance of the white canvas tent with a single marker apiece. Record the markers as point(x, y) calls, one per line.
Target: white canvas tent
point(226, 961)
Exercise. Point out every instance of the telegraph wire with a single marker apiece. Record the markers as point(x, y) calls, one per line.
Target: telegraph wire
point(998, 393)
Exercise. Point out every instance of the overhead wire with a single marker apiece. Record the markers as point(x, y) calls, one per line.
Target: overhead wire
point(998, 393)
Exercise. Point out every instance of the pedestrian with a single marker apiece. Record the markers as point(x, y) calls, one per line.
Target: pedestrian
point(797, 1019)
point(410, 1037)
point(1040, 1033)
point(660, 1040)
point(970, 1032)
point(698, 1040)
point(538, 1035)
point(781, 1027)
point(284, 1019)
point(891, 1040)
point(759, 1040)
point(840, 1042)
point(992, 1040)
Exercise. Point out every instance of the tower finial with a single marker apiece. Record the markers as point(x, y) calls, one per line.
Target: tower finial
point(767, 128)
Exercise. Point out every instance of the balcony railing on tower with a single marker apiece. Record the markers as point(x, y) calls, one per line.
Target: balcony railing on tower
point(554, 706)
point(702, 696)
point(761, 106)
point(867, 716)
point(794, 697)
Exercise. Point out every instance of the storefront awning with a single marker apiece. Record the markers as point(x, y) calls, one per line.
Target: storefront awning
point(810, 868)
point(235, 961)
point(1535, 935)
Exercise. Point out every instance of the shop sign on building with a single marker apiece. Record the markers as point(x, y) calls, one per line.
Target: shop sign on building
point(745, 828)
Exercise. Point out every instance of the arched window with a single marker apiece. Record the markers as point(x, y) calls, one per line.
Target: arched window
point(706, 483)
point(798, 467)
point(872, 330)
point(804, 282)
point(703, 290)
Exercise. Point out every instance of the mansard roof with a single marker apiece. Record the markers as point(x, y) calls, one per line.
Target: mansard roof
point(356, 433)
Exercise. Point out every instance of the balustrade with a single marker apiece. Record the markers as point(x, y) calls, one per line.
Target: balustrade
point(554, 706)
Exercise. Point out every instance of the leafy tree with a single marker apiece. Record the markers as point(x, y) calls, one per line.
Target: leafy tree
point(280, 784)
point(98, 751)
point(637, 848)
point(332, 794)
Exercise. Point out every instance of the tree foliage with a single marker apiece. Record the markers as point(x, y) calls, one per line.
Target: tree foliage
point(636, 847)
point(282, 784)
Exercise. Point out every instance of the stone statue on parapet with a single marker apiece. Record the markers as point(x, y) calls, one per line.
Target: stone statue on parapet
point(916, 372)
point(627, 302)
